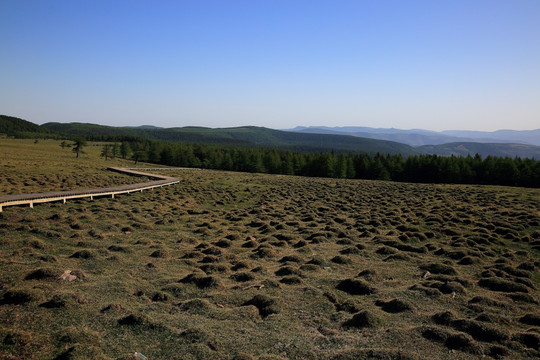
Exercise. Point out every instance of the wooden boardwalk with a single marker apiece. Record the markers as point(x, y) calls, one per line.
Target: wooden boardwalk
point(36, 198)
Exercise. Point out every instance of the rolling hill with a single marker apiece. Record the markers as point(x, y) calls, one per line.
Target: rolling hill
point(12, 126)
point(244, 136)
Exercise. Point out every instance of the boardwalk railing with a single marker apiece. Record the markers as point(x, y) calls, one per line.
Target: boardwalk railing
point(35, 198)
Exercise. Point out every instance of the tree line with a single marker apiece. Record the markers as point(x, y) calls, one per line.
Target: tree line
point(416, 168)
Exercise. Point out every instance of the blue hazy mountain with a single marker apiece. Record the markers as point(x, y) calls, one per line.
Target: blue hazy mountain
point(419, 137)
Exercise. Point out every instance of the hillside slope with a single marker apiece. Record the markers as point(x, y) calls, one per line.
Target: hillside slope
point(247, 135)
point(11, 126)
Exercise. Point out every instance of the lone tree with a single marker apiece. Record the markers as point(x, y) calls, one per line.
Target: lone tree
point(139, 155)
point(106, 151)
point(115, 150)
point(78, 145)
point(125, 149)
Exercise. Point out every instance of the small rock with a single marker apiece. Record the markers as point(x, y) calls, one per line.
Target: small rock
point(67, 276)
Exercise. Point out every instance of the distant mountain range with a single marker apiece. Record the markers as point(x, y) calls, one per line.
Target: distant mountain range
point(305, 139)
point(419, 137)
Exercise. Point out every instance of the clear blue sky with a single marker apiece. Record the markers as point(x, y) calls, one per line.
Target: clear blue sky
point(433, 64)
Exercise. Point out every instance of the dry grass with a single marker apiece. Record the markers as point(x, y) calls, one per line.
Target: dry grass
point(241, 266)
point(27, 167)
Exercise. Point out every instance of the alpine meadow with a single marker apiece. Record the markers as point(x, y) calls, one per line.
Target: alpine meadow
point(235, 265)
point(270, 180)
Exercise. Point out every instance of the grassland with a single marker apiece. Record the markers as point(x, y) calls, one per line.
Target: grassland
point(245, 266)
point(28, 167)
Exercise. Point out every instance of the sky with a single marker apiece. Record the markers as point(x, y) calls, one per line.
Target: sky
point(437, 65)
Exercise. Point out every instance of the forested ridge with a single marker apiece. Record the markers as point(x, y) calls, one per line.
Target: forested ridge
point(13, 126)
